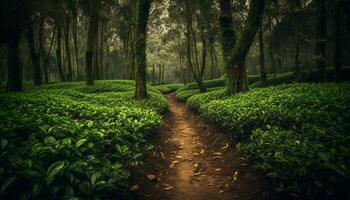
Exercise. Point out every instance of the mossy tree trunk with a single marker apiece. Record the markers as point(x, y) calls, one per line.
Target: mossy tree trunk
point(235, 51)
point(262, 55)
point(34, 54)
point(142, 14)
point(337, 41)
point(92, 34)
point(59, 53)
point(320, 51)
point(68, 53)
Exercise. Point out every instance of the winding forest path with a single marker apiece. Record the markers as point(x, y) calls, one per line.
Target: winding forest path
point(192, 161)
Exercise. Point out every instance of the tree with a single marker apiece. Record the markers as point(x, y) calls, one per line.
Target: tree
point(337, 40)
point(235, 50)
point(68, 52)
point(320, 51)
point(92, 36)
point(35, 56)
point(142, 14)
point(262, 55)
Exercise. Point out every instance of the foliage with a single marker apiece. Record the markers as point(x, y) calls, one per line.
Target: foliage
point(73, 143)
point(297, 134)
point(185, 94)
point(169, 87)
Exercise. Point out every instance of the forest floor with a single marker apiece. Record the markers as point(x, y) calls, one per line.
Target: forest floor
point(191, 159)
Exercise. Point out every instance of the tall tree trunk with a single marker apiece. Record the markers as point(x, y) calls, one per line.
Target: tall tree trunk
point(42, 48)
point(69, 61)
point(153, 75)
point(75, 39)
point(34, 54)
point(163, 72)
point(59, 53)
point(338, 47)
point(320, 50)
point(143, 7)
point(235, 52)
point(92, 34)
point(101, 50)
point(46, 59)
point(14, 71)
point(159, 74)
point(95, 57)
point(296, 5)
point(262, 56)
point(272, 59)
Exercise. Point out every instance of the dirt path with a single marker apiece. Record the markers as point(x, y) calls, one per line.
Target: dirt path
point(191, 161)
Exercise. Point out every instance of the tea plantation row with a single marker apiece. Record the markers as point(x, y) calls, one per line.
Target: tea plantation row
point(298, 135)
point(69, 141)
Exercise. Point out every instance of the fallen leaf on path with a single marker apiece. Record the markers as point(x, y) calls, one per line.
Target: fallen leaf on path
point(196, 165)
point(210, 184)
point(167, 186)
point(179, 157)
point(195, 154)
point(196, 174)
point(172, 165)
point(217, 153)
point(202, 151)
point(235, 176)
point(217, 157)
point(134, 188)
point(218, 169)
point(221, 191)
point(151, 177)
point(224, 147)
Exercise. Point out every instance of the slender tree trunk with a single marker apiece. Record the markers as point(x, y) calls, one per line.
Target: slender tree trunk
point(41, 47)
point(143, 7)
point(153, 75)
point(14, 71)
point(262, 56)
point(338, 47)
point(46, 59)
point(272, 59)
point(75, 39)
point(34, 55)
point(92, 34)
point(69, 61)
point(59, 54)
point(101, 50)
point(163, 70)
point(295, 5)
point(159, 74)
point(320, 50)
point(95, 57)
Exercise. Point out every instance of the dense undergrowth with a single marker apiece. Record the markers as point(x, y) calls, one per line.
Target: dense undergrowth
point(70, 141)
point(297, 134)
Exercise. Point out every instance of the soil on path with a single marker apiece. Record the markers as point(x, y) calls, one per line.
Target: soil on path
point(192, 160)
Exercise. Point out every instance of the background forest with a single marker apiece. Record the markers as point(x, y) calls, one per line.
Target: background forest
point(86, 85)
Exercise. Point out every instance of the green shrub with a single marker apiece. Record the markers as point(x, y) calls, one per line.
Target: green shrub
point(169, 87)
point(73, 143)
point(297, 134)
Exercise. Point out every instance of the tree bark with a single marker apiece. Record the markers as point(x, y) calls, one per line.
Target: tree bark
point(34, 54)
point(59, 53)
point(235, 52)
point(69, 61)
point(262, 56)
point(320, 50)
point(272, 58)
point(338, 47)
point(14, 71)
point(75, 39)
point(143, 7)
point(92, 34)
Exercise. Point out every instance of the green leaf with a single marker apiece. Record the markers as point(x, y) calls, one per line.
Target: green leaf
point(49, 140)
point(54, 169)
point(80, 142)
point(4, 143)
point(94, 178)
point(36, 190)
point(9, 181)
